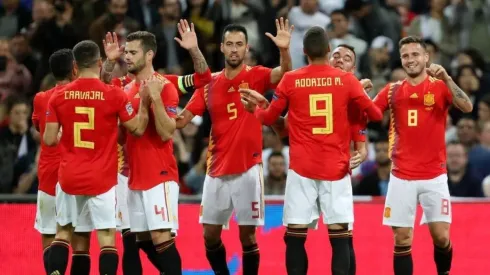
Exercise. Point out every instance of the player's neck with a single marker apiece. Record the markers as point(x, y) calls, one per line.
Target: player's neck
point(231, 72)
point(62, 82)
point(414, 81)
point(89, 74)
point(321, 61)
point(144, 74)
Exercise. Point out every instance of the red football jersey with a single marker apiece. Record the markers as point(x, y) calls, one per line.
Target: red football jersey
point(358, 123)
point(318, 97)
point(184, 84)
point(49, 159)
point(151, 160)
point(417, 127)
point(88, 111)
point(235, 143)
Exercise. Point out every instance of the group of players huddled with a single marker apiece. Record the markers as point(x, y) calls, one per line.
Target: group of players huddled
point(89, 121)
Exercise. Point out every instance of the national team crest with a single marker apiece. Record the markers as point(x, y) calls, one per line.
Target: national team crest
point(243, 85)
point(429, 99)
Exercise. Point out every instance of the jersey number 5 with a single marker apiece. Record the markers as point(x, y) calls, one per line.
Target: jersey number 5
point(79, 126)
point(324, 111)
point(412, 118)
point(232, 110)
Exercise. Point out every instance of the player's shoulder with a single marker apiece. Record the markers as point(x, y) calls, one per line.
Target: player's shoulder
point(437, 83)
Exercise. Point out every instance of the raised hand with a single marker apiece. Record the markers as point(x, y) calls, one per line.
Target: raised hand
point(283, 36)
point(111, 47)
point(438, 72)
point(251, 97)
point(188, 35)
point(367, 84)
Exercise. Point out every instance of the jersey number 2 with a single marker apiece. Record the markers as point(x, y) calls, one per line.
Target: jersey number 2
point(324, 112)
point(79, 126)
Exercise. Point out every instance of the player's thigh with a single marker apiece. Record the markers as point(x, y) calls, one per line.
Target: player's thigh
point(247, 195)
point(336, 201)
point(122, 202)
point(161, 206)
point(45, 213)
point(435, 200)
point(401, 203)
point(136, 210)
point(67, 207)
point(103, 209)
point(216, 205)
point(300, 201)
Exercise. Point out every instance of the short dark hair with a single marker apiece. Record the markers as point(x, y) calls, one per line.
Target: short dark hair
point(430, 42)
point(13, 100)
point(61, 64)
point(412, 39)
point(341, 12)
point(315, 42)
point(349, 47)
point(275, 154)
point(147, 39)
point(456, 143)
point(86, 54)
point(234, 28)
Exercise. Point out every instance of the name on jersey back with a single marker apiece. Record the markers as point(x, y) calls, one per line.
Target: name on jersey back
point(84, 95)
point(318, 82)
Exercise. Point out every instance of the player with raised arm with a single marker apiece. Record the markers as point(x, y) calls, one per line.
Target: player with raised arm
point(184, 84)
point(234, 179)
point(418, 108)
point(318, 179)
point(153, 189)
point(88, 111)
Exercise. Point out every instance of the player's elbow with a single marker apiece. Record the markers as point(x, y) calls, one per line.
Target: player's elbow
point(167, 132)
point(467, 107)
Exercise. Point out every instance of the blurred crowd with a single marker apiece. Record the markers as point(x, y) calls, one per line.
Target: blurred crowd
point(457, 33)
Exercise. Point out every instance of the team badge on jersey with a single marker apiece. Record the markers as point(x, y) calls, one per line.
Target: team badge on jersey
point(243, 85)
point(129, 108)
point(429, 99)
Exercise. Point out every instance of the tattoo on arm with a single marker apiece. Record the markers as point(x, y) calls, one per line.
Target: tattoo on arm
point(200, 64)
point(106, 73)
point(457, 92)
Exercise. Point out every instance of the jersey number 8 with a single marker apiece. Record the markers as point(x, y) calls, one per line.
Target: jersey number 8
point(326, 112)
point(79, 126)
point(412, 118)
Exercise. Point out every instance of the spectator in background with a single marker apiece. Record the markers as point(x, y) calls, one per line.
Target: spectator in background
point(466, 132)
point(253, 58)
point(340, 35)
point(372, 20)
point(170, 57)
point(377, 66)
point(479, 156)
point(22, 52)
point(273, 143)
point(17, 146)
point(468, 80)
point(484, 109)
point(433, 50)
point(474, 58)
point(42, 10)
point(52, 32)
point(398, 74)
point(402, 7)
point(114, 20)
point(15, 78)
point(194, 179)
point(303, 17)
point(462, 183)
point(434, 25)
point(451, 130)
point(145, 12)
point(13, 17)
point(273, 9)
point(275, 181)
point(376, 182)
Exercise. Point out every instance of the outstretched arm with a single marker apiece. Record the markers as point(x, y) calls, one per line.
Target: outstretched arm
point(113, 52)
point(188, 41)
point(282, 41)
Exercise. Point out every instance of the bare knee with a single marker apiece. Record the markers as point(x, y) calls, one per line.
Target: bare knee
point(160, 236)
point(338, 226)
point(47, 239)
point(81, 241)
point(106, 237)
point(247, 235)
point(440, 233)
point(403, 236)
point(212, 233)
point(64, 232)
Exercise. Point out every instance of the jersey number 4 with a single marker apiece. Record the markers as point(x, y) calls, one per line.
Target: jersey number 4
point(79, 126)
point(321, 105)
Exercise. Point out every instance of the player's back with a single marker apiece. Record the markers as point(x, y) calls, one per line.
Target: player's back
point(87, 110)
point(319, 130)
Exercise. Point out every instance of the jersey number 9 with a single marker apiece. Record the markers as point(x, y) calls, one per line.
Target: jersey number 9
point(79, 126)
point(325, 111)
point(412, 118)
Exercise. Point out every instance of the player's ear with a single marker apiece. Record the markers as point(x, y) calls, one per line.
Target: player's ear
point(247, 48)
point(150, 54)
point(426, 57)
point(221, 47)
point(99, 63)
